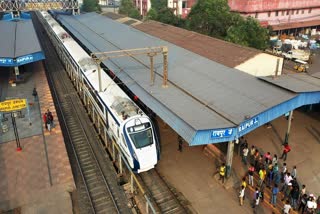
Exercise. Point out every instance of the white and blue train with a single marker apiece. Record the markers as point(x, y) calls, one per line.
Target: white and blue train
point(130, 127)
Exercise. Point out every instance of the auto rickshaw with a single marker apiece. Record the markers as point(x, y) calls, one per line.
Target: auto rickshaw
point(300, 65)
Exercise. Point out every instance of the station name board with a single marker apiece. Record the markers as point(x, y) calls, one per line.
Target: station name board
point(6, 61)
point(13, 105)
point(254, 122)
point(17, 61)
point(221, 133)
point(25, 59)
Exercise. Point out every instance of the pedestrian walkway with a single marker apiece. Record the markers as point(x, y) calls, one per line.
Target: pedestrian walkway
point(39, 178)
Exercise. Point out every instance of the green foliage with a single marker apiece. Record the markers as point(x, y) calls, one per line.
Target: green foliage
point(249, 33)
point(160, 12)
point(157, 5)
point(210, 17)
point(91, 6)
point(166, 15)
point(127, 8)
point(152, 14)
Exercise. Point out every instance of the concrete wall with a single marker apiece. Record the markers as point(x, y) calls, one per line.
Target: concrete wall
point(261, 65)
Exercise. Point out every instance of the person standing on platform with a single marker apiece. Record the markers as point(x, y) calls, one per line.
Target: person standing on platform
point(252, 152)
point(35, 94)
point(303, 203)
point(275, 191)
point(48, 124)
point(241, 195)
point(180, 142)
point(245, 152)
point(222, 172)
point(286, 207)
point(44, 117)
point(286, 150)
point(50, 118)
point(274, 160)
point(250, 173)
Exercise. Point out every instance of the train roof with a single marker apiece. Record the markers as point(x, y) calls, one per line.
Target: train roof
point(112, 95)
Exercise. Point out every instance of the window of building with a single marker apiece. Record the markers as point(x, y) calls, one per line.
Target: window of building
point(302, 11)
point(184, 4)
point(269, 14)
point(282, 13)
point(288, 11)
point(297, 12)
point(277, 13)
point(256, 15)
point(310, 10)
point(292, 12)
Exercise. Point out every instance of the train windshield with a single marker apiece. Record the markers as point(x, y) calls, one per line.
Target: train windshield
point(141, 135)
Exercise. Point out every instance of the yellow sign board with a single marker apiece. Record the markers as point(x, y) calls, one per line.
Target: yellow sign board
point(13, 105)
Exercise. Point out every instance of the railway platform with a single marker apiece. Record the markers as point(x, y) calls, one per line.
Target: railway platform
point(191, 172)
point(38, 178)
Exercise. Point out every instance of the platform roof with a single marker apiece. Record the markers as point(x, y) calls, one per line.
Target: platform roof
point(18, 39)
point(203, 96)
point(295, 82)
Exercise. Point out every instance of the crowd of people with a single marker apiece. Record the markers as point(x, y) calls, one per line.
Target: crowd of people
point(279, 179)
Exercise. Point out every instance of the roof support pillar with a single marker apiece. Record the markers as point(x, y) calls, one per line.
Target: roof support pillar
point(286, 138)
point(229, 157)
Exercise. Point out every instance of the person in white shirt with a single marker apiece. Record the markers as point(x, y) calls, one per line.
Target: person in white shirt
point(245, 152)
point(311, 204)
point(241, 195)
point(287, 179)
point(287, 207)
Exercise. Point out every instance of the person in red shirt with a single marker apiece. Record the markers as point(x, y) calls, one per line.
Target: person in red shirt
point(286, 150)
point(44, 117)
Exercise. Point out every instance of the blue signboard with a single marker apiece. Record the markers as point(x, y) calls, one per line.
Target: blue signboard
point(254, 122)
point(6, 61)
point(25, 59)
point(21, 60)
point(221, 133)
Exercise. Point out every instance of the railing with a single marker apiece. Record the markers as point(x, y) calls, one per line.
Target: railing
point(30, 5)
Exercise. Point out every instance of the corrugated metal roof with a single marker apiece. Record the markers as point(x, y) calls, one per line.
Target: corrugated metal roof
point(220, 51)
point(7, 32)
point(295, 82)
point(18, 38)
point(202, 94)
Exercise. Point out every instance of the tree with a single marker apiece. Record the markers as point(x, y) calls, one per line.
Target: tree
point(127, 8)
point(160, 12)
point(211, 17)
point(152, 14)
point(249, 33)
point(91, 6)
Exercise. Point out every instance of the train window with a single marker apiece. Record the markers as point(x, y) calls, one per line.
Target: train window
point(141, 139)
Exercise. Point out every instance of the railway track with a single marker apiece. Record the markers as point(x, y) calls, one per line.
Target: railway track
point(96, 194)
point(163, 197)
